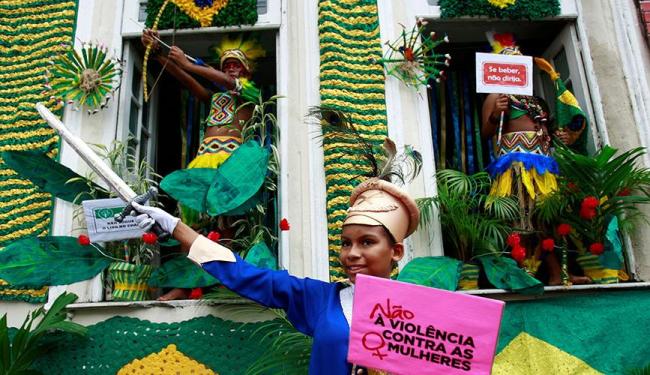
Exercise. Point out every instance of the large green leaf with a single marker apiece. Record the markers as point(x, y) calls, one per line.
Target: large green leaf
point(40, 261)
point(261, 256)
point(238, 178)
point(505, 274)
point(52, 177)
point(437, 272)
point(189, 186)
point(180, 272)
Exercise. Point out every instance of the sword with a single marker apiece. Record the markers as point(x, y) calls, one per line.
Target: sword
point(111, 178)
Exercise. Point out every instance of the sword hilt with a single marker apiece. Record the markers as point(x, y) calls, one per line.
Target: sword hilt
point(142, 199)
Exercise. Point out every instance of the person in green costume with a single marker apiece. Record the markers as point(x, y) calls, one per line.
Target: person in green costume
point(224, 123)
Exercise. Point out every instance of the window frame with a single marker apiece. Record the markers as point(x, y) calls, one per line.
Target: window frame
point(396, 96)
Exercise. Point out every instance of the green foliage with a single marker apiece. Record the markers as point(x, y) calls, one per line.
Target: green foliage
point(18, 354)
point(38, 261)
point(257, 226)
point(521, 9)
point(180, 272)
point(237, 179)
point(472, 225)
point(52, 177)
point(261, 256)
point(288, 350)
point(236, 12)
point(504, 273)
point(619, 181)
point(436, 272)
point(140, 176)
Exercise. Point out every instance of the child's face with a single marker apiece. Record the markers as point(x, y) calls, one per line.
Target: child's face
point(368, 250)
point(234, 68)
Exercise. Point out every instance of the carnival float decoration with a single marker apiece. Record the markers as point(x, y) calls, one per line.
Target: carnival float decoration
point(412, 58)
point(86, 78)
point(500, 9)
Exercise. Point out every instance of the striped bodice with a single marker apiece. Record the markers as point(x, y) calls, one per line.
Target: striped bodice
point(525, 141)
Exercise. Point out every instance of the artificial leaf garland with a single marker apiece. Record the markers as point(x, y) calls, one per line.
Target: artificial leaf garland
point(501, 9)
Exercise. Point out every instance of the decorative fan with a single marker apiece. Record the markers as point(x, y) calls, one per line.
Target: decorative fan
point(412, 63)
point(88, 78)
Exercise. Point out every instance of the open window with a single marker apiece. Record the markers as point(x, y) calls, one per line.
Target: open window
point(455, 107)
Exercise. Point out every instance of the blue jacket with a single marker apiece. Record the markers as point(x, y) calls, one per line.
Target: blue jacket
point(312, 306)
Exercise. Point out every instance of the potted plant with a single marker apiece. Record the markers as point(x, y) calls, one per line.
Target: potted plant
point(597, 199)
point(475, 228)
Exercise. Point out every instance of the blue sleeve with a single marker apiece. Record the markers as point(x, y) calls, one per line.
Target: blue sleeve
point(302, 299)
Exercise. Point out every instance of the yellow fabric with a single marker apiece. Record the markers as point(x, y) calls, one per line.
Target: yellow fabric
point(602, 275)
point(547, 67)
point(528, 355)
point(502, 186)
point(167, 361)
point(467, 284)
point(209, 160)
point(535, 183)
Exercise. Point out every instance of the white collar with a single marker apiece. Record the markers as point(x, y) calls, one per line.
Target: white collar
point(346, 295)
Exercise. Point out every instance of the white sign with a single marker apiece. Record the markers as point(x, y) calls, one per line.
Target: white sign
point(504, 74)
point(101, 224)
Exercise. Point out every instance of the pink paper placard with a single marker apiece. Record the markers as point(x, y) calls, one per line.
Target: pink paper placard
point(410, 329)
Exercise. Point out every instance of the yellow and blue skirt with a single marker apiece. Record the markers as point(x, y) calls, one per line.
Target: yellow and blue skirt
point(524, 159)
point(213, 152)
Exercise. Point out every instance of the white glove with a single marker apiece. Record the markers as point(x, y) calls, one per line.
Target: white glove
point(147, 216)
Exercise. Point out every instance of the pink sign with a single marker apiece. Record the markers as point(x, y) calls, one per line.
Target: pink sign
point(410, 329)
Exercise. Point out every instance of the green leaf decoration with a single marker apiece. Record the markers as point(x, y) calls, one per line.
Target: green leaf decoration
point(436, 272)
point(18, 353)
point(189, 186)
point(40, 261)
point(504, 273)
point(228, 190)
point(612, 257)
point(261, 256)
point(238, 178)
point(52, 177)
point(245, 207)
point(180, 272)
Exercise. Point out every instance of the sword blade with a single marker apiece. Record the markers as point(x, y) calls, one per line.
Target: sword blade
point(113, 181)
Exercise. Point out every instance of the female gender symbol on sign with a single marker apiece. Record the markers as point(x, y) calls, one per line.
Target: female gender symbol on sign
point(377, 342)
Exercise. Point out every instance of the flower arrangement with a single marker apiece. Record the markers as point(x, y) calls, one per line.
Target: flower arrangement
point(597, 200)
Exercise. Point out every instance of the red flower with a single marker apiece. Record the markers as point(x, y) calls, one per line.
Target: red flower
point(564, 229)
point(596, 248)
point(149, 238)
point(284, 224)
point(408, 54)
point(548, 244)
point(513, 240)
point(214, 236)
point(624, 192)
point(590, 202)
point(572, 186)
point(83, 240)
point(587, 213)
point(518, 253)
point(196, 293)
